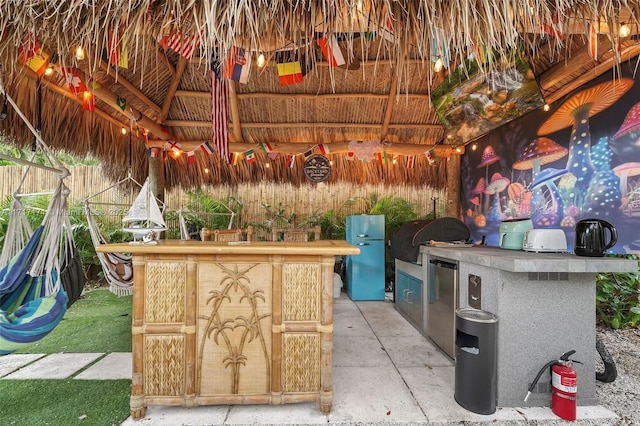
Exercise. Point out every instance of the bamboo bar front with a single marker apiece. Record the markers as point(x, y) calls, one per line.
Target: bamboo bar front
point(220, 323)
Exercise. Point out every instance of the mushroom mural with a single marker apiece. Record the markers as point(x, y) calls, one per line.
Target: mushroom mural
point(479, 190)
point(549, 217)
point(541, 151)
point(626, 142)
point(488, 158)
point(576, 112)
point(498, 184)
point(624, 171)
point(517, 194)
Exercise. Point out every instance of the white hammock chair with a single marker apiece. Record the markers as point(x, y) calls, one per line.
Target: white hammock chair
point(117, 267)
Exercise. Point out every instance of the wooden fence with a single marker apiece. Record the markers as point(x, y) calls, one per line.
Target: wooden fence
point(304, 200)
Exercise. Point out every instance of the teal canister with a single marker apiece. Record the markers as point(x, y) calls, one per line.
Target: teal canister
point(512, 233)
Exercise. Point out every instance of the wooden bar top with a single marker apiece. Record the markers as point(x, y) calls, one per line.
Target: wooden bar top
point(320, 247)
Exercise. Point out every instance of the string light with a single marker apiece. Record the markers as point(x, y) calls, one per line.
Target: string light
point(437, 67)
point(474, 146)
point(206, 170)
point(79, 53)
point(546, 107)
point(49, 71)
point(266, 166)
point(261, 61)
point(624, 30)
point(123, 131)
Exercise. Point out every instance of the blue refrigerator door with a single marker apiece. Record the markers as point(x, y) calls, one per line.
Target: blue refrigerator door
point(365, 226)
point(365, 272)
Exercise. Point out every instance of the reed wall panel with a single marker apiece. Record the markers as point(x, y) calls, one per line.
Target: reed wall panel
point(303, 200)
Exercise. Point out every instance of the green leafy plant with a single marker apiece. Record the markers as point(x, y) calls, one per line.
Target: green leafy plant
point(618, 298)
point(275, 218)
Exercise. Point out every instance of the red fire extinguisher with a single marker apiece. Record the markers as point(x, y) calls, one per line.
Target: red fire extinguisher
point(564, 386)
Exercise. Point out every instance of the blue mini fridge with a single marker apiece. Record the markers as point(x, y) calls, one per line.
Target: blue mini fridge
point(365, 272)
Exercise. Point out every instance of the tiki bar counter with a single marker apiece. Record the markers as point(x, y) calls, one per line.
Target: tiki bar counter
point(228, 323)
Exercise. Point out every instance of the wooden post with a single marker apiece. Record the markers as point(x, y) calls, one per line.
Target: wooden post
point(156, 176)
point(453, 186)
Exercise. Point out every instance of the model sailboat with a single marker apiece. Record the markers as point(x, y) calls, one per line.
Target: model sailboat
point(144, 219)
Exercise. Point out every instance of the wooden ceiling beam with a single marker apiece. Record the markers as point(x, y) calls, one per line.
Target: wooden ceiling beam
point(260, 95)
point(171, 90)
point(557, 73)
point(194, 123)
point(130, 87)
point(336, 147)
point(592, 73)
point(235, 111)
point(67, 94)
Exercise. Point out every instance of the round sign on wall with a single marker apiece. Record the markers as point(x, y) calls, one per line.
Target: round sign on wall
point(317, 168)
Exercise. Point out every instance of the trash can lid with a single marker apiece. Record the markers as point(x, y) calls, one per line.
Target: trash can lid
point(477, 315)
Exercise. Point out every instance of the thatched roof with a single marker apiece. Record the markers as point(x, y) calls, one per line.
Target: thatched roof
point(384, 96)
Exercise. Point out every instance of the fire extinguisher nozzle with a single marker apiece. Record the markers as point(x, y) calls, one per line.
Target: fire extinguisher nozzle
point(527, 397)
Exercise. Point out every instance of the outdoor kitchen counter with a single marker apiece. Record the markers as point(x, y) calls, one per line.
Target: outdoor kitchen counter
point(546, 306)
point(221, 323)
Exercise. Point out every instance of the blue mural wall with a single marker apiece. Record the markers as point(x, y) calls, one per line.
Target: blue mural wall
point(579, 160)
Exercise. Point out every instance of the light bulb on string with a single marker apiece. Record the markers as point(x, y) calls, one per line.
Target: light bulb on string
point(625, 31)
point(546, 107)
point(261, 61)
point(438, 65)
point(79, 53)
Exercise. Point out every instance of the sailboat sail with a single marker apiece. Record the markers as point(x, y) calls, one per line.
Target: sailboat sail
point(144, 215)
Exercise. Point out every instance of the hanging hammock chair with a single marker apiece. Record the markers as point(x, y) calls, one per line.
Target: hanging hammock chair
point(39, 269)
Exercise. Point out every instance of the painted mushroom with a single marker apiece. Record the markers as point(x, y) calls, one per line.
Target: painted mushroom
point(551, 217)
point(498, 184)
point(626, 142)
point(576, 112)
point(479, 189)
point(624, 171)
point(541, 151)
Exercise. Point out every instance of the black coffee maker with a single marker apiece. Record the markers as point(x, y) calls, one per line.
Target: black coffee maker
point(591, 237)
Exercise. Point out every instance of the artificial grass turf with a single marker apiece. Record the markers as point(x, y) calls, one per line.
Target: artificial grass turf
point(98, 322)
point(64, 402)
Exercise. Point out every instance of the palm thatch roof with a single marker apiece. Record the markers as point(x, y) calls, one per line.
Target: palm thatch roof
point(381, 94)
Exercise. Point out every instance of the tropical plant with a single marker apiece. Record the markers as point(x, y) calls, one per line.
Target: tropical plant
point(275, 218)
point(618, 297)
point(332, 224)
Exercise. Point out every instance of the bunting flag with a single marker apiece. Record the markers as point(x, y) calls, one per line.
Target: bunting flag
point(145, 135)
point(592, 40)
point(219, 108)
point(324, 148)
point(331, 51)
point(351, 156)
point(382, 157)
point(440, 47)
point(266, 147)
point(88, 102)
point(238, 65)
point(31, 54)
point(72, 77)
point(154, 152)
point(411, 161)
point(250, 156)
point(118, 52)
point(308, 153)
point(121, 102)
point(387, 31)
point(272, 155)
point(174, 149)
point(291, 161)
point(182, 45)
point(290, 73)
point(191, 158)
point(206, 147)
point(480, 52)
point(431, 157)
point(233, 158)
point(553, 28)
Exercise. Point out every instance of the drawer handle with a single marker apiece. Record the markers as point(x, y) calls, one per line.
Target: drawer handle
point(362, 244)
point(409, 293)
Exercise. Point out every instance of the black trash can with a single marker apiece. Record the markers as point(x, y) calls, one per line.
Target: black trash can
point(476, 360)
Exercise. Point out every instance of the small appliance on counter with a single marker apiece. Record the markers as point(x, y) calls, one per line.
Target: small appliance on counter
point(545, 241)
point(591, 237)
point(512, 233)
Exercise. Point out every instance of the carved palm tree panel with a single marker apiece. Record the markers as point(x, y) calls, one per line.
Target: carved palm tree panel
point(234, 329)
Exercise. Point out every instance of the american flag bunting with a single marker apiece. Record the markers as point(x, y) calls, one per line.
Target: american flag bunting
point(219, 108)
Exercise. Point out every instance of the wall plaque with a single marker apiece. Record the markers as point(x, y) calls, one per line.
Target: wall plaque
point(317, 168)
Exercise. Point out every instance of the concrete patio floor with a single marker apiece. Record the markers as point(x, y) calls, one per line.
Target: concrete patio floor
point(385, 372)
